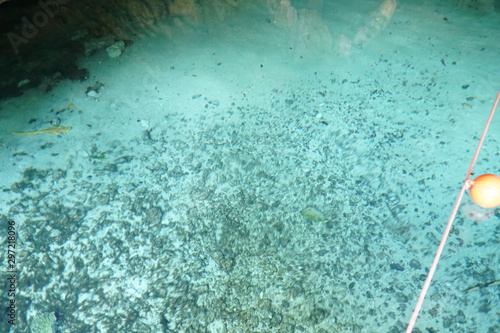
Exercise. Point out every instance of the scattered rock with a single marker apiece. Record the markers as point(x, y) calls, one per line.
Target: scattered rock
point(116, 50)
point(55, 122)
point(92, 93)
point(415, 264)
point(401, 298)
point(94, 90)
point(396, 267)
point(318, 315)
point(265, 304)
point(43, 323)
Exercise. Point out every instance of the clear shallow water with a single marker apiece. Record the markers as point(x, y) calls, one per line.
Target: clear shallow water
point(174, 203)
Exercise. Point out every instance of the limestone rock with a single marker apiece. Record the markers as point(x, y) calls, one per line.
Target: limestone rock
point(116, 50)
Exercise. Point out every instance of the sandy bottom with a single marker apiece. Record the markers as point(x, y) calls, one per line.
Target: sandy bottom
point(176, 201)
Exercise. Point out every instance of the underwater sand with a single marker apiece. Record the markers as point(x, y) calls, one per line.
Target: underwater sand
point(174, 202)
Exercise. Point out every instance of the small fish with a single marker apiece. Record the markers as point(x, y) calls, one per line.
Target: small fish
point(482, 285)
point(312, 214)
point(48, 130)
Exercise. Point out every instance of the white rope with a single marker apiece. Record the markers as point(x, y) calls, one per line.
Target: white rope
point(439, 251)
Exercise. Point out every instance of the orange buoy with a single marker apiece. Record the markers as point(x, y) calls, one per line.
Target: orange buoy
point(485, 191)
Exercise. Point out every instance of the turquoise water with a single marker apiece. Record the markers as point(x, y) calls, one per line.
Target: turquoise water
point(261, 167)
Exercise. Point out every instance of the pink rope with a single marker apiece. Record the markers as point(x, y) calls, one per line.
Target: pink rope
point(439, 251)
